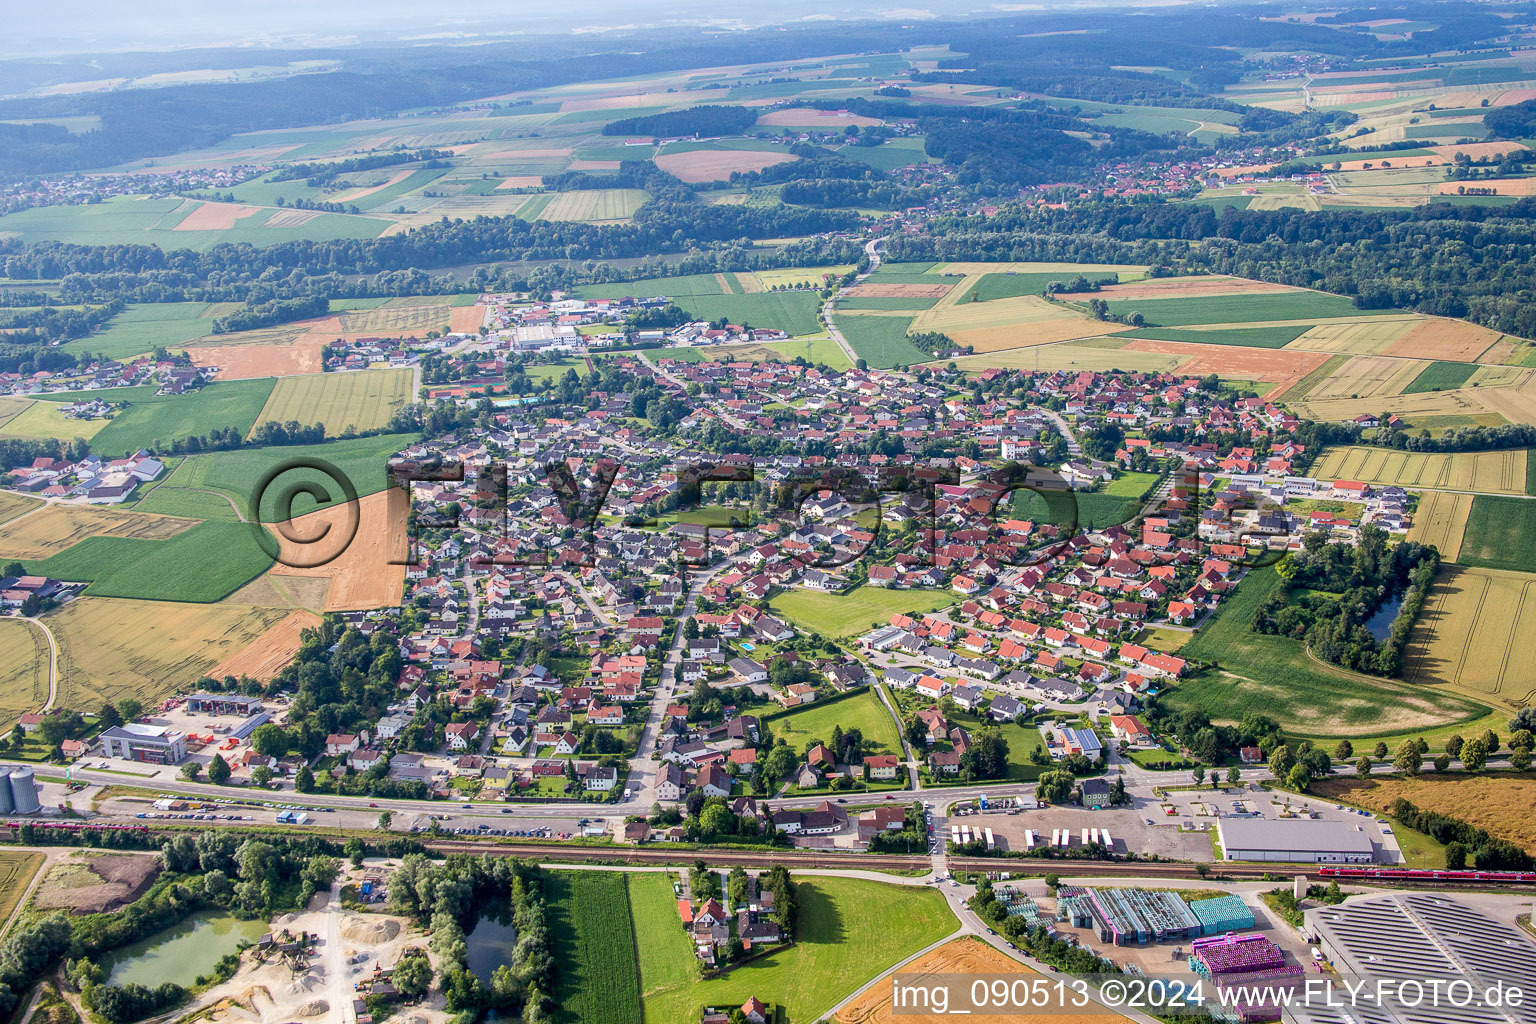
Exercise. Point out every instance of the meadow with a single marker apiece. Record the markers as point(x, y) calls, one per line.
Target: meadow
point(832, 956)
point(202, 564)
point(881, 341)
point(1500, 534)
point(1236, 309)
point(110, 648)
point(589, 916)
point(42, 420)
point(155, 421)
point(143, 327)
point(844, 615)
point(362, 400)
point(1276, 676)
point(863, 711)
point(1477, 634)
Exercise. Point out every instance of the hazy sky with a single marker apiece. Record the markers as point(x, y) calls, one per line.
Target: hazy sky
point(85, 26)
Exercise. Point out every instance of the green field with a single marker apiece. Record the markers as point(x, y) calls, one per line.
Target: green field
point(688, 284)
point(1068, 509)
point(1440, 376)
point(1275, 676)
point(843, 615)
point(834, 953)
point(143, 326)
point(1253, 337)
point(589, 917)
point(1500, 534)
point(1006, 286)
point(200, 564)
point(888, 156)
point(154, 421)
point(1237, 309)
point(863, 711)
point(133, 220)
point(881, 341)
point(793, 312)
point(363, 400)
point(41, 420)
point(813, 350)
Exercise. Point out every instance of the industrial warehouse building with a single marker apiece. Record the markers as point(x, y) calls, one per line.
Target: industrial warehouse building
point(138, 742)
point(1294, 840)
point(1422, 937)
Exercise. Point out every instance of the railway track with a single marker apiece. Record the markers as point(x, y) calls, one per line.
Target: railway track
point(661, 855)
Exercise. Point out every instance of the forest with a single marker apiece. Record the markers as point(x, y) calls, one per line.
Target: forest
point(708, 121)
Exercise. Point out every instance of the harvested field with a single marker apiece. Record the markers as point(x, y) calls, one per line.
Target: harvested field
point(1070, 357)
point(1463, 402)
point(1498, 802)
point(1368, 338)
point(1500, 186)
point(594, 165)
point(90, 882)
point(304, 354)
point(291, 218)
point(998, 339)
point(602, 205)
point(215, 217)
point(966, 955)
point(17, 867)
point(1441, 519)
point(522, 181)
point(290, 592)
point(1501, 472)
point(1283, 367)
point(13, 505)
point(467, 319)
point(809, 116)
point(361, 576)
point(1477, 149)
point(1010, 323)
point(1438, 338)
point(113, 647)
point(717, 164)
point(54, 528)
point(1369, 377)
point(877, 290)
point(23, 670)
point(364, 399)
point(269, 652)
point(1181, 287)
point(1069, 270)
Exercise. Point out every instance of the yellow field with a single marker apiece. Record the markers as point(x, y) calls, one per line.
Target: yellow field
point(769, 279)
point(1441, 520)
point(46, 419)
point(1354, 338)
point(1070, 357)
point(1014, 322)
point(1477, 634)
point(1498, 802)
point(52, 529)
point(1368, 377)
point(593, 205)
point(13, 505)
point(23, 670)
point(111, 648)
point(392, 319)
point(1485, 472)
point(1419, 410)
point(364, 400)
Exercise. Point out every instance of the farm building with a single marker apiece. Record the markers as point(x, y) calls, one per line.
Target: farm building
point(1294, 840)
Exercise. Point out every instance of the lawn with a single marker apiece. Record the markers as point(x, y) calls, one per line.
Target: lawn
point(1500, 534)
point(154, 421)
point(1440, 376)
point(1249, 337)
point(849, 931)
point(881, 341)
point(843, 615)
point(1275, 676)
point(1236, 309)
point(200, 564)
point(1022, 739)
point(599, 964)
point(863, 712)
point(1130, 485)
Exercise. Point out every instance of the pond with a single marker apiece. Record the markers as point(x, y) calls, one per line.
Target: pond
point(490, 946)
point(183, 951)
point(1380, 624)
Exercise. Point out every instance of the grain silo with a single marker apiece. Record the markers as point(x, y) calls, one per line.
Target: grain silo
point(6, 807)
point(24, 791)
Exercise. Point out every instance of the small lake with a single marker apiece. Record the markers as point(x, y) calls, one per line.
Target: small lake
point(1380, 624)
point(490, 946)
point(183, 951)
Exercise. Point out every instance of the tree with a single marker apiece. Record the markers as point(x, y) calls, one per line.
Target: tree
point(1381, 749)
point(261, 776)
point(129, 708)
point(1455, 857)
point(1363, 766)
point(1474, 755)
point(716, 820)
point(1300, 778)
point(1490, 741)
point(1234, 776)
point(1118, 797)
point(1281, 761)
point(1453, 744)
point(108, 717)
point(1199, 774)
point(1520, 758)
point(191, 770)
point(1343, 750)
point(218, 770)
point(1054, 786)
point(1442, 762)
point(304, 780)
point(385, 818)
point(1409, 760)
point(413, 976)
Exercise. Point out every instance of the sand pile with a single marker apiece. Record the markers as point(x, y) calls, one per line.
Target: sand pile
point(372, 932)
point(313, 1008)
